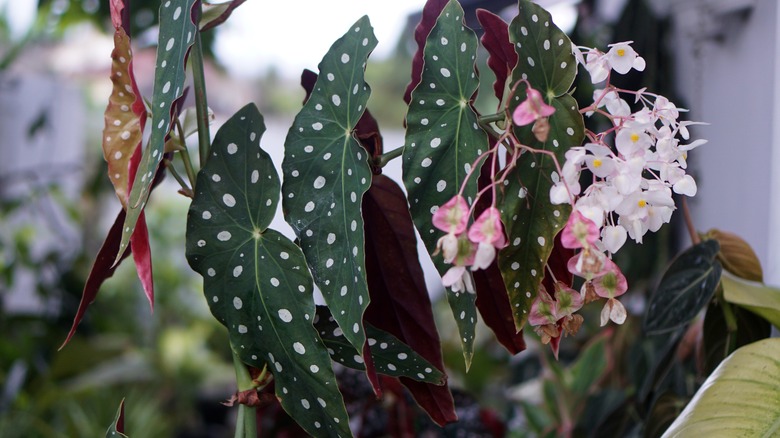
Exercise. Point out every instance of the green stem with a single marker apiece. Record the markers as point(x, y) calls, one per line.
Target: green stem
point(246, 426)
point(185, 157)
point(184, 187)
point(490, 118)
point(201, 104)
point(383, 159)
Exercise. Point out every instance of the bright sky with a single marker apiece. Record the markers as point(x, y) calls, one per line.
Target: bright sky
point(295, 34)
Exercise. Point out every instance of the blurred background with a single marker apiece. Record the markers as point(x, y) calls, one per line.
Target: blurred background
point(717, 57)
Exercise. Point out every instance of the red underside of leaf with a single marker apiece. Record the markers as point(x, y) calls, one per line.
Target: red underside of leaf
point(120, 422)
point(223, 16)
point(559, 258)
point(430, 13)
point(399, 299)
point(139, 240)
point(502, 56)
point(373, 377)
point(101, 270)
point(492, 298)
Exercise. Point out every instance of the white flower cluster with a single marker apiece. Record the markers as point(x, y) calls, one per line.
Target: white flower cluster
point(633, 183)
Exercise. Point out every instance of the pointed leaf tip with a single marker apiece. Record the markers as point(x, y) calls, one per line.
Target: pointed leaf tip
point(177, 35)
point(255, 280)
point(436, 162)
point(326, 174)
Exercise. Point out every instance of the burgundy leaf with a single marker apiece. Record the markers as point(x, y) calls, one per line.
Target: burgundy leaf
point(139, 241)
point(373, 377)
point(557, 263)
point(495, 309)
point(399, 299)
point(224, 13)
point(367, 132)
point(502, 57)
point(101, 270)
point(430, 13)
point(492, 298)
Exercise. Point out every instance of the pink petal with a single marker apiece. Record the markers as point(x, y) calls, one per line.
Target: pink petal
point(453, 275)
point(453, 216)
point(523, 115)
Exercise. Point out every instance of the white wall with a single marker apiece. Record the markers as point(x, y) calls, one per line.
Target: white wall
point(728, 71)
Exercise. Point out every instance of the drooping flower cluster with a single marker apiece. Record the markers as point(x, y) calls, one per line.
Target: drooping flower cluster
point(465, 246)
point(631, 191)
point(636, 166)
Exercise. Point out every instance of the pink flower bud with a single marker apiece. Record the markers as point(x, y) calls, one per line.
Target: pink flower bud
point(531, 109)
point(579, 232)
point(452, 217)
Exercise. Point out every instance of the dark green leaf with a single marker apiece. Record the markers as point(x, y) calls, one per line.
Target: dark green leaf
point(664, 411)
point(443, 140)
point(177, 34)
point(255, 280)
point(530, 219)
point(590, 366)
point(391, 356)
point(326, 173)
point(685, 288)
point(544, 51)
point(720, 340)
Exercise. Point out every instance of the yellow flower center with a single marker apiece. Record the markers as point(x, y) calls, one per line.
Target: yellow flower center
point(596, 163)
point(634, 137)
point(621, 52)
point(642, 203)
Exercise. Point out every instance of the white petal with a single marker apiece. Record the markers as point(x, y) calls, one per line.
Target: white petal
point(605, 313)
point(686, 186)
point(639, 63)
point(614, 237)
point(618, 313)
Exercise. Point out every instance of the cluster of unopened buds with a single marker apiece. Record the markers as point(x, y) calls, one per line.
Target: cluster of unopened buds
point(636, 165)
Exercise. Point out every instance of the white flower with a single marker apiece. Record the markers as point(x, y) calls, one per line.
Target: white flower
point(622, 58)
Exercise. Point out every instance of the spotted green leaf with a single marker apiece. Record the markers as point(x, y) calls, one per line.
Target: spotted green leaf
point(531, 221)
point(326, 173)
point(117, 428)
point(545, 59)
point(177, 34)
point(255, 280)
point(391, 356)
point(544, 51)
point(443, 140)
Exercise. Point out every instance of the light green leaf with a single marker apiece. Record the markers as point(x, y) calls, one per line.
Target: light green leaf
point(741, 398)
point(757, 297)
point(326, 173)
point(443, 140)
point(177, 34)
point(255, 280)
point(391, 356)
point(531, 221)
